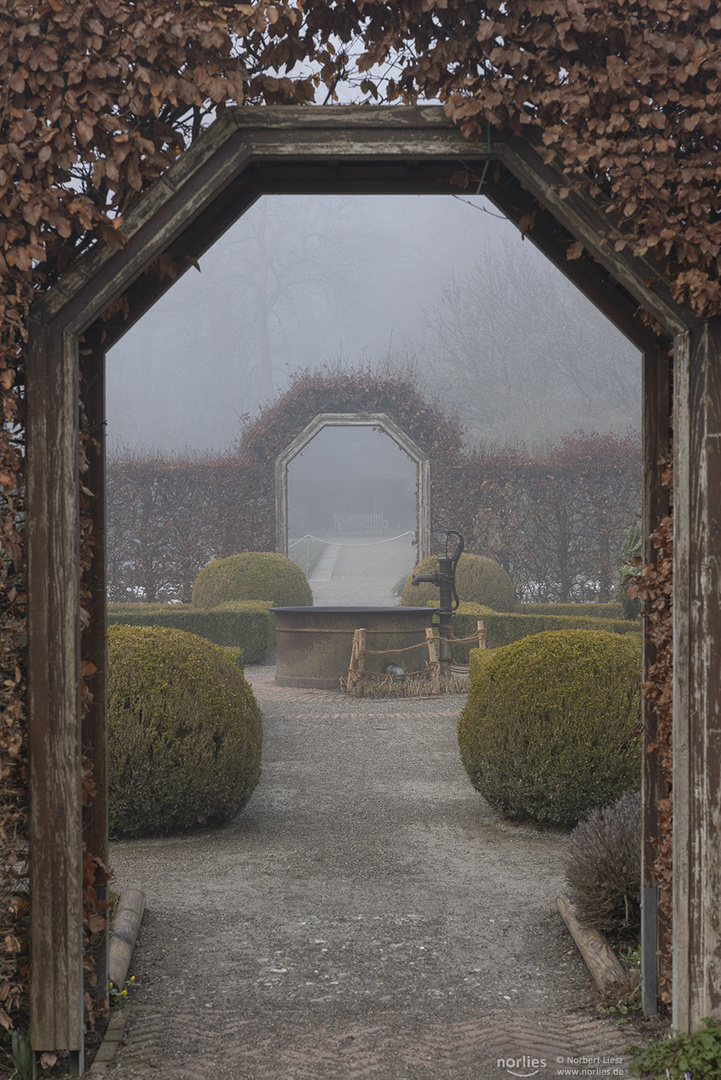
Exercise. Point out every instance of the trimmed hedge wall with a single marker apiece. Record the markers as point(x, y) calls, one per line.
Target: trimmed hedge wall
point(184, 732)
point(478, 580)
point(591, 610)
point(502, 628)
point(247, 625)
point(549, 731)
point(252, 575)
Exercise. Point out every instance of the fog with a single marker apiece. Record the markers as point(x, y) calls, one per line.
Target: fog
point(348, 472)
point(438, 284)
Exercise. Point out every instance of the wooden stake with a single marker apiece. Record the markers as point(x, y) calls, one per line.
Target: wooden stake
point(361, 661)
point(481, 634)
point(353, 666)
point(433, 662)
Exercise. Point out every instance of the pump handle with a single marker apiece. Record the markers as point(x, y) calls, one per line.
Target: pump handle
point(454, 557)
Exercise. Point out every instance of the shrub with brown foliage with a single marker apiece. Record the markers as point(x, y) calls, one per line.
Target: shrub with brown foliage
point(603, 871)
point(654, 586)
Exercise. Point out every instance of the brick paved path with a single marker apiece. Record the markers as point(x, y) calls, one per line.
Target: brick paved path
point(367, 916)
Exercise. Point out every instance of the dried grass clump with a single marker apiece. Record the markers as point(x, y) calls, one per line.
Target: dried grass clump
point(408, 686)
point(604, 867)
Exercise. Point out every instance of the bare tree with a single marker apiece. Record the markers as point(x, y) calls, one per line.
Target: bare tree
point(523, 355)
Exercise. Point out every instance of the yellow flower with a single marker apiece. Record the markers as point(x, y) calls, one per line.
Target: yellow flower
point(123, 993)
point(111, 986)
point(132, 978)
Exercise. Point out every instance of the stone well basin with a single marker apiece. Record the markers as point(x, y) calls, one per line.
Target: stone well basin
point(313, 644)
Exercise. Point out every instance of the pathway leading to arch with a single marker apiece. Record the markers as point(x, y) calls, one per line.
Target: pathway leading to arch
point(362, 570)
point(367, 916)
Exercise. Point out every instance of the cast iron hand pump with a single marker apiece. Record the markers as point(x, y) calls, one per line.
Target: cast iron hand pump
point(445, 578)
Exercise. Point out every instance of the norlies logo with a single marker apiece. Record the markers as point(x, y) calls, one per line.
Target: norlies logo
point(513, 1065)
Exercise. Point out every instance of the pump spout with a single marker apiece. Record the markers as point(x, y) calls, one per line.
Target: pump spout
point(418, 578)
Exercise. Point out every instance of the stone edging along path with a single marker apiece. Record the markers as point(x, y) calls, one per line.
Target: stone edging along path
point(367, 915)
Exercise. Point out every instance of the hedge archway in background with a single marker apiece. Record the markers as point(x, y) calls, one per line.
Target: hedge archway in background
point(432, 438)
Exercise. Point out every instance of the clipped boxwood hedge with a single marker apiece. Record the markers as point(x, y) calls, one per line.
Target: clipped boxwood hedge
point(478, 581)
point(252, 575)
point(247, 625)
point(502, 628)
point(184, 732)
point(549, 729)
point(592, 610)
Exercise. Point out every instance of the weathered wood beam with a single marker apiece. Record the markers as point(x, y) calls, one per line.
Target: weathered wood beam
point(56, 948)
point(655, 506)
point(697, 676)
point(360, 137)
point(336, 149)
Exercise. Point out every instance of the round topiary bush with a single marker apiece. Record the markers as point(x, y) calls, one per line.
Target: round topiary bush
point(603, 872)
point(478, 581)
point(253, 575)
point(184, 732)
point(549, 729)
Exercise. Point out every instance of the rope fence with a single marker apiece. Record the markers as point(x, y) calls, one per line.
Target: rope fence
point(334, 543)
point(357, 671)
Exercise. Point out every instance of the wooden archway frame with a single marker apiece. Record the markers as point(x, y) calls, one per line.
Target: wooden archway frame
point(246, 153)
point(376, 420)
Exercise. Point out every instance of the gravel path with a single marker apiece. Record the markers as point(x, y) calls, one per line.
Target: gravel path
point(367, 916)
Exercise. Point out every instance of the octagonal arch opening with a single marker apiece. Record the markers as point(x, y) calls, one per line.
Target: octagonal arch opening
point(359, 506)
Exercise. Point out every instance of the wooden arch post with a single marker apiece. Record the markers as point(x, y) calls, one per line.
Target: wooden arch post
point(697, 677)
point(56, 866)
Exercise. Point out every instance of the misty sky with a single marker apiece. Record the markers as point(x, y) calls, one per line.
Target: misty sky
point(301, 280)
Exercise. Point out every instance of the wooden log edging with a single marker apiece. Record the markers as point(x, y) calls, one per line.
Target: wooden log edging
point(126, 924)
point(606, 969)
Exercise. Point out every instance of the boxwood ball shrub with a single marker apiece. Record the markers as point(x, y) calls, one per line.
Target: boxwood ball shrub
point(549, 729)
point(184, 732)
point(252, 575)
point(478, 581)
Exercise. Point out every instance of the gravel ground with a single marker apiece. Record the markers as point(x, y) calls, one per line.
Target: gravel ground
point(368, 915)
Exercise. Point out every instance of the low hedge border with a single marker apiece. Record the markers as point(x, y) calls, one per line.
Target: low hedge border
point(590, 610)
point(247, 625)
point(502, 628)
